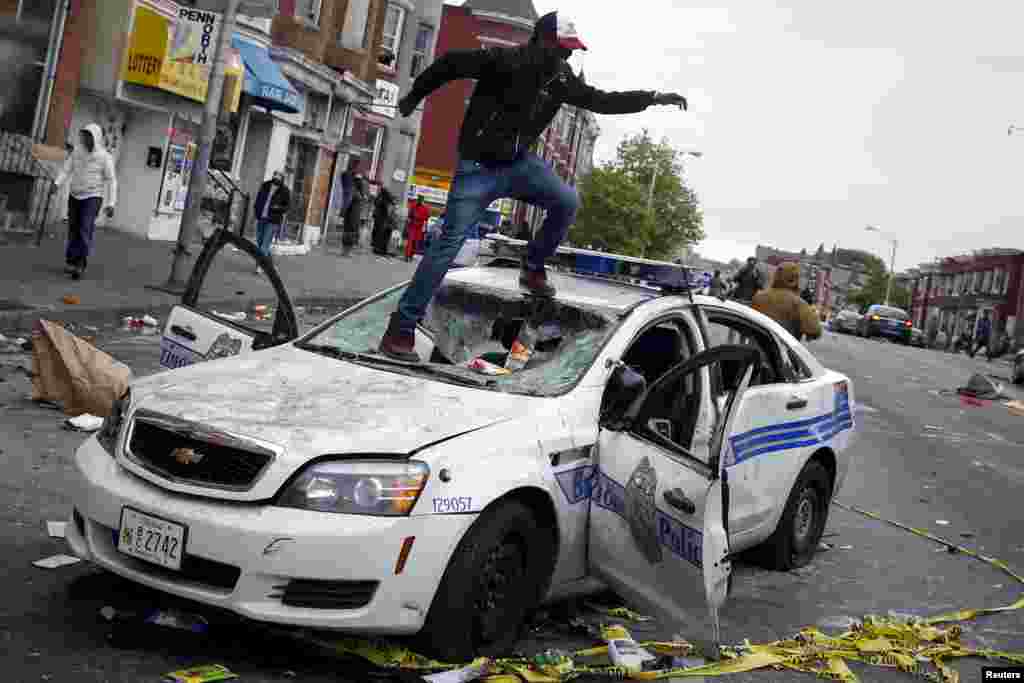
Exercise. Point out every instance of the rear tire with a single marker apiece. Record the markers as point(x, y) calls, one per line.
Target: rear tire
point(498, 573)
point(802, 523)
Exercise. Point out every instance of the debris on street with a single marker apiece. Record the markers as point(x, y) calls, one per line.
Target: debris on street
point(616, 612)
point(942, 522)
point(70, 371)
point(149, 321)
point(56, 529)
point(56, 561)
point(1016, 408)
point(71, 299)
point(176, 619)
point(200, 674)
point(980, 386)
point(84, 423)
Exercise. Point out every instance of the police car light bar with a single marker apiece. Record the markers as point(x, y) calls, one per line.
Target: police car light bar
point(668, 277)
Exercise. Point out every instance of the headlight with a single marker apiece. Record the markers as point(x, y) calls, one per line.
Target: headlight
point(378, 487)
point(111, 429)
point(875, 318)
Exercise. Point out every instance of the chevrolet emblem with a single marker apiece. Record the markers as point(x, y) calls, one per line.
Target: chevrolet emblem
point(187, 456)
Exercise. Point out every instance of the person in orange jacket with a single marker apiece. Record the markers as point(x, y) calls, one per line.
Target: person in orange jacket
point(419, 214)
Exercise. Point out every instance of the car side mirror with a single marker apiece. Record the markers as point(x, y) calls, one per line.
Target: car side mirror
point(625, 386)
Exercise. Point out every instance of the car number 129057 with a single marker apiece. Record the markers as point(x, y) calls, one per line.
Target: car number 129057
point(449, 505)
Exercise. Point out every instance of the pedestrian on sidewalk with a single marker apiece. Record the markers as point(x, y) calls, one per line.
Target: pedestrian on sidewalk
point(749, 281)
point(932, 329)
point(419, 214)
point(717, 287)
point(983, 337)
point(272, 202)
point(351, 198)
point(518, 92)
point(383, 221)
point(90, 169)
point(782, 303)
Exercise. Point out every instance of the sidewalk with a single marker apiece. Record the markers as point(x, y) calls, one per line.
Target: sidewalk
point(33, 283)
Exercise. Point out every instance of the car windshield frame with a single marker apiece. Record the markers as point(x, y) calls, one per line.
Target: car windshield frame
point(612, 319)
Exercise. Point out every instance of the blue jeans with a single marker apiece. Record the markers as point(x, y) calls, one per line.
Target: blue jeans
point(265, 231)
point(82, 215)
point(474, 188)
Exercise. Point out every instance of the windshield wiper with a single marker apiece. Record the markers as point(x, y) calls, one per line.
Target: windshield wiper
point(373, 359)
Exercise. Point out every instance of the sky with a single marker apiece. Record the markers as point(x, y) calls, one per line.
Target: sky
point(818, 117)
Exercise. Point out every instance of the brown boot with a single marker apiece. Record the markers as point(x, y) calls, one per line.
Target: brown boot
point(536, 282)
point(398, 344)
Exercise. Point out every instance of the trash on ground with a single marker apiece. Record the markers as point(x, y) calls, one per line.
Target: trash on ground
point(200, 674)
point(84, 423)
point(616, 612)
point(108, 612)
point(823, 546)
point(478, 668)
point(56, 561)
point(942, 522)
point(71, 299)
point(70, 371)
point(1016, 408)
point(966, 534)
point(846, 547)
point(973, 402)
point(56, 529)
point(172, 618)
point(623, 650)
point(980, 386)
point(149, 321)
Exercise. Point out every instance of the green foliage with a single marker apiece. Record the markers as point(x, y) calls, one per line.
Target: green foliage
point(614, 214)
point(873, 291)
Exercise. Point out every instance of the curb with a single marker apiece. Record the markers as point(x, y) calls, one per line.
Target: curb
point(22, 321)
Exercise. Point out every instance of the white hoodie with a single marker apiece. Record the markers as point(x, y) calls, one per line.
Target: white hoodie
point(91, 172)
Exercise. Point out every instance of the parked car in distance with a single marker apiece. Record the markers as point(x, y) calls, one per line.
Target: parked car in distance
point(846, 321)
point(886, 321)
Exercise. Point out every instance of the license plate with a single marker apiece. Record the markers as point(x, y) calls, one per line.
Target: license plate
point(174, 355)
point(151, 538)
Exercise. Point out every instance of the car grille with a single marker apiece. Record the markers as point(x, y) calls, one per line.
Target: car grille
point(199, 570)
point(176, 455)
point(326, 594)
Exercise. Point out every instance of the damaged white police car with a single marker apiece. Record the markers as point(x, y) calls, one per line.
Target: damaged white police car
point(310, 481)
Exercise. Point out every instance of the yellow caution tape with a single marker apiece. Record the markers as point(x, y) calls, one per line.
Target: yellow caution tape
point(921, 647)
point(617, 612)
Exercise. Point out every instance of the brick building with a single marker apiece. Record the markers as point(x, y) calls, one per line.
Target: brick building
point(568, 142)
point(960, 289)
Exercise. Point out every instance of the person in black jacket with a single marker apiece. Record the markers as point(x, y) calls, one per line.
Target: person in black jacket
point(749, 281)
point(272, 202)
point(518, 92)
point(383, 222)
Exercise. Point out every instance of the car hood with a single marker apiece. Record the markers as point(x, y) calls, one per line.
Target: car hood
point(309, 405)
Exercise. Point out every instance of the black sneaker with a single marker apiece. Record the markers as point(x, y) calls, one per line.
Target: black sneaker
point(536, 283)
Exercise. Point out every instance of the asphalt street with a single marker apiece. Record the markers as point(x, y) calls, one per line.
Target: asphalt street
point(923, 458)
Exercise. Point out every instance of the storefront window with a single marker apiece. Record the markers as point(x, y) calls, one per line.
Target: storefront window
point(25, 28)
point(353, 34)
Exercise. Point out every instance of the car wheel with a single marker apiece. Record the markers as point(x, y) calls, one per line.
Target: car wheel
point(498, 573)
point(802, 523)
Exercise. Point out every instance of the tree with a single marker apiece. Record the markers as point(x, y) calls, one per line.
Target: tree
point(613, 210)
point(873, 291)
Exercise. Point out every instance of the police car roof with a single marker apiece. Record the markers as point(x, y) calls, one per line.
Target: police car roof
point(571, 288)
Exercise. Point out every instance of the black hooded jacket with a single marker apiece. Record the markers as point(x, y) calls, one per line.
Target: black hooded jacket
point(518, 92)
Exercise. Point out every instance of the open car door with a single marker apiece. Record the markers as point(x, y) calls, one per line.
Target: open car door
point(658, 530)
point(256, 316)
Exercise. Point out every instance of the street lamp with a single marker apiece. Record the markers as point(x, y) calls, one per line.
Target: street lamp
point(892, 262)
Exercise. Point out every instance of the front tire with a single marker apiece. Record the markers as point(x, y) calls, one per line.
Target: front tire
point(803, 521)
point(498, 573)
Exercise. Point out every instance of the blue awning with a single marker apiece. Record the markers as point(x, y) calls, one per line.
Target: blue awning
point(264, 81)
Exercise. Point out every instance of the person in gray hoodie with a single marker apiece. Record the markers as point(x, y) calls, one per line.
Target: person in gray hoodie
point(90, 169)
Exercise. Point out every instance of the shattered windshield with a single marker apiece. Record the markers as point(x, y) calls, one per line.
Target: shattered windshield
point(515, 343)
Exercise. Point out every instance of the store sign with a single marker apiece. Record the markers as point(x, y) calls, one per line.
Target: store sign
point(172, 48)
point(433, 195)
point(386, 100)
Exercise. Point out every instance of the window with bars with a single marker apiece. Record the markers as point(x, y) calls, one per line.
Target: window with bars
point(420, 54)
point(394, 23)
point(998, 281)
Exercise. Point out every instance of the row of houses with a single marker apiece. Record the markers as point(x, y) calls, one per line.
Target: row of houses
point(961, 290)
point(307, 91)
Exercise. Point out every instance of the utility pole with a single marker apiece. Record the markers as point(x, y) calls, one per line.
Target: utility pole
point(201, 166)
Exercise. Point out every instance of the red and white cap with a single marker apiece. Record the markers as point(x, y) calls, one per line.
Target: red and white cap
point(561, 29)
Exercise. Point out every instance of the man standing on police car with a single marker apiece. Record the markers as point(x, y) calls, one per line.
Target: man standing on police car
point(519, 91)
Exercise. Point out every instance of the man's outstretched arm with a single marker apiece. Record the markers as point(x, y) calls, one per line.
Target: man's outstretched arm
point(451, 66)
point(626, 102)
